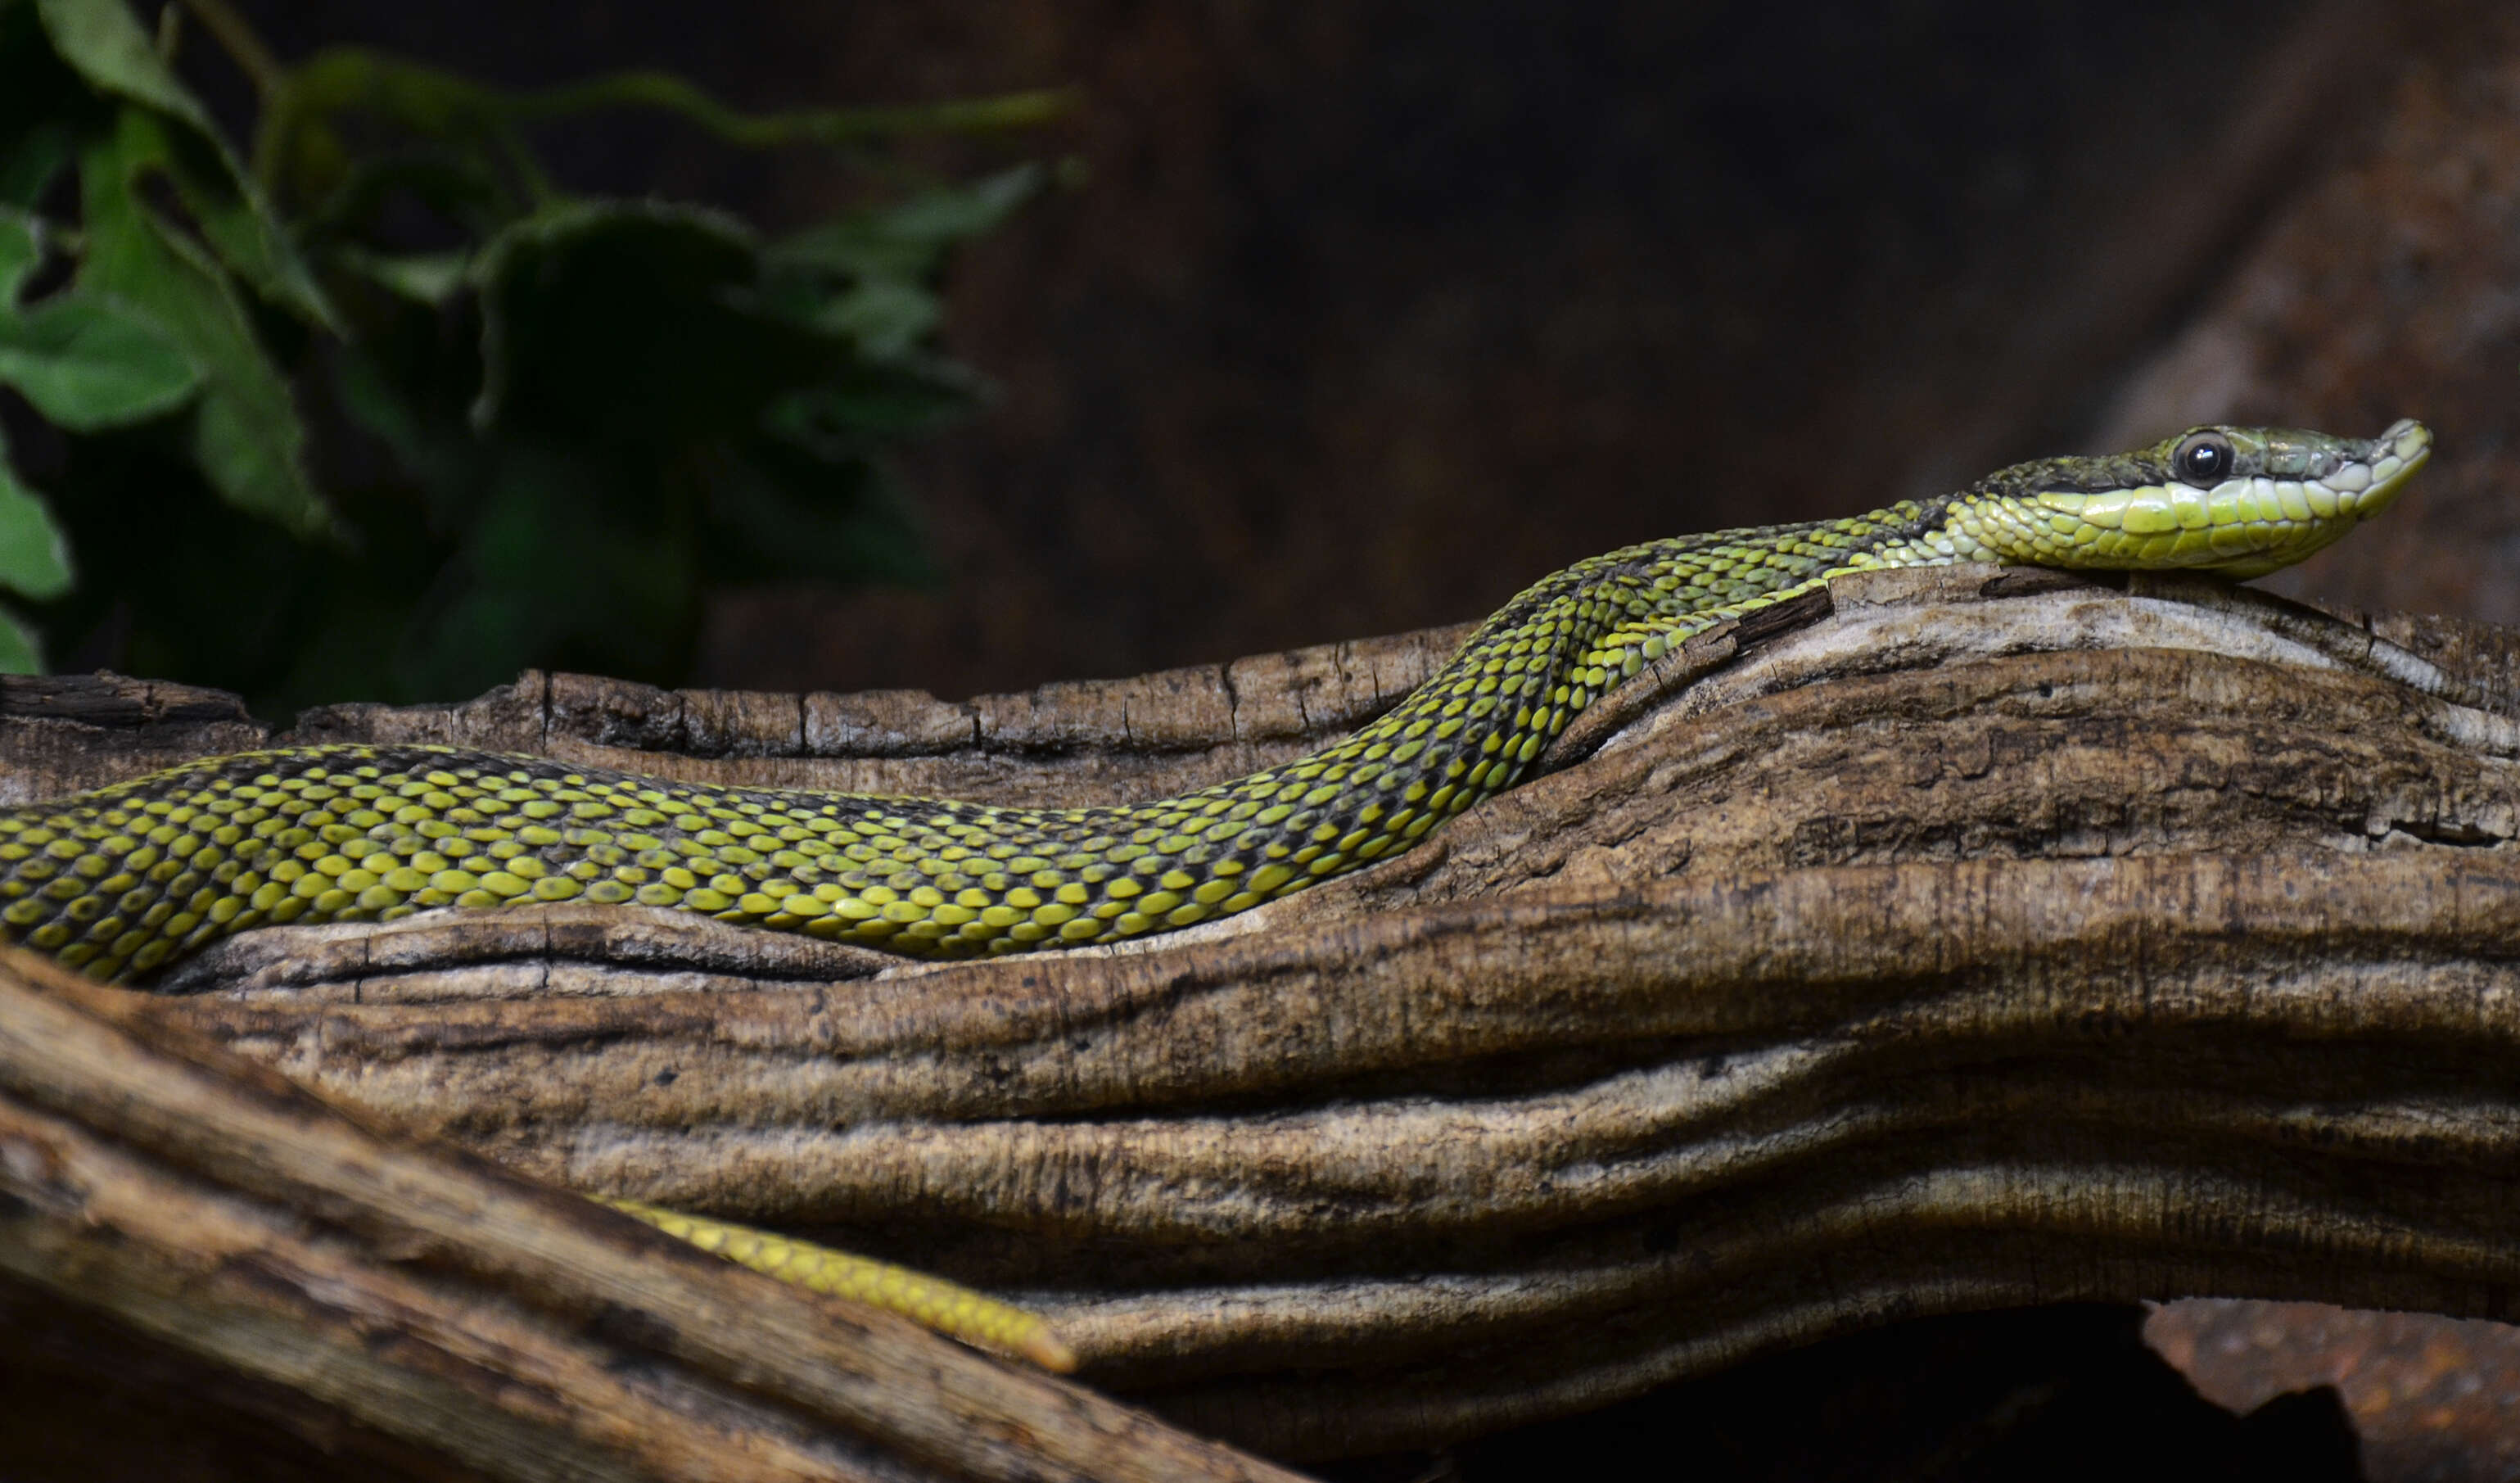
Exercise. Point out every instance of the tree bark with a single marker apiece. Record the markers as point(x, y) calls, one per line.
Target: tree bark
point(168, 1208)
point(1965, 938)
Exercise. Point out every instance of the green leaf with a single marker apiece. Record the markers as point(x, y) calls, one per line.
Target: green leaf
point(35, 559)
point(467, 191)
point(427, 101)
point(948, 214)
point(885, 316)
point(443, 105)
point(620, 324)
point(884, 262)
point(425, 278)
point(242, 229)
point(101, 40)
point(552, 573)
point(19, 653)
point(88, 363)
point(909, 240)
point(29, 161)
point(44, 106)
point(301, 144)
point(372, 401)
point(103, 43)
point(246, 435)
point(852, 415)
point(22, 247)
point(831, 126)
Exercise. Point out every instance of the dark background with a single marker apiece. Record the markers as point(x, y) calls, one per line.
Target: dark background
point(1368, 313)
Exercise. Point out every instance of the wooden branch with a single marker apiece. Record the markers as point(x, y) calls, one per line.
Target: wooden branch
point(456, 1320)
point(1987, 938)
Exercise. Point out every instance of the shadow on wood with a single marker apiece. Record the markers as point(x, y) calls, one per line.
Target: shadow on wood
point(1987, 938)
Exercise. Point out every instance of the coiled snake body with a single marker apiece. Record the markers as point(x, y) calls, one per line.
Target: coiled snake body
point(118, 881)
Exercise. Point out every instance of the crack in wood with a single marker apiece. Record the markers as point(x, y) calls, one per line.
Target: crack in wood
point(1962, 938)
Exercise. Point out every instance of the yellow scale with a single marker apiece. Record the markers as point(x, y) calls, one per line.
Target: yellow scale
point(119, 881)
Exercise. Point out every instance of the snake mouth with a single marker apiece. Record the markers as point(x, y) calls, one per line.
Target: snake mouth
point(2279, 521)
point(2286, 493)
point(2393, 458)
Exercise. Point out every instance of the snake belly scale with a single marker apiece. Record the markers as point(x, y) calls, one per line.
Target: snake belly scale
point(119, 881)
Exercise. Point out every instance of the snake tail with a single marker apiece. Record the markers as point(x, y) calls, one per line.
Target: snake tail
point(933, 1303)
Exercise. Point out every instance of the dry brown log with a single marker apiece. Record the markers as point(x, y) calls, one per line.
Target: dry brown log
point(1971, 938)
point(433, 1317)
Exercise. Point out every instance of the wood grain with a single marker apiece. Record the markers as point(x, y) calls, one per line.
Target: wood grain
point(1969, 939)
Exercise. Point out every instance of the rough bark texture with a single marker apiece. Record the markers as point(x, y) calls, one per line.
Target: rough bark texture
point(201, 1221)
point(1969, 939)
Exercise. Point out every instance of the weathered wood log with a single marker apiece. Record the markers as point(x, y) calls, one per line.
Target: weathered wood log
point(1971, 938)
point(435, 1316)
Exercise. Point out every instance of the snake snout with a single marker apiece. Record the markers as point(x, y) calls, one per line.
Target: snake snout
point(2392, 459)
point(2273, 521)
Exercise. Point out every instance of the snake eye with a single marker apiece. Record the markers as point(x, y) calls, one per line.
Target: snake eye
point(2205, 459)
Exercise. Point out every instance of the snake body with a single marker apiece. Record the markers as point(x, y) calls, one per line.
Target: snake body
point(121, 881)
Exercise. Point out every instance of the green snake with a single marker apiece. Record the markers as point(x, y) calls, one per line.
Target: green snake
point(121, 881)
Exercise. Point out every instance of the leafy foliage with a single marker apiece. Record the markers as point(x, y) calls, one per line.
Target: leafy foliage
point(306, 461)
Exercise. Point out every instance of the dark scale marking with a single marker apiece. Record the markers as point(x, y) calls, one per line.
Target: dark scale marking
point(119, 881)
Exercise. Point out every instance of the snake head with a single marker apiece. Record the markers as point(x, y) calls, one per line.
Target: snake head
point(2240, 500)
